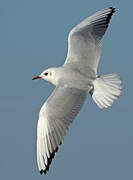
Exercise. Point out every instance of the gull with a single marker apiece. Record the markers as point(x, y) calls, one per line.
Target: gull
point(74, 80)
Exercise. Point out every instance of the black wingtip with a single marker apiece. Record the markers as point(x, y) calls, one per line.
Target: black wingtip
point(41, 172)
point(49, 161)
point(110, 14)
point(112, 8)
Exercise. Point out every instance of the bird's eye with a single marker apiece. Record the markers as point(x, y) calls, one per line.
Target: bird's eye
point(46, 74)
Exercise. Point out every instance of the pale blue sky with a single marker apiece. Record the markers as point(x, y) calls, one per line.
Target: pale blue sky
point(33, 37)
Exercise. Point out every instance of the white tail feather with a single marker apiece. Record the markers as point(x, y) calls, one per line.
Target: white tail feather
point(107, 88)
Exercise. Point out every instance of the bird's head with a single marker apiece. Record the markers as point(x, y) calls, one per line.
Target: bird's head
point(48, 75)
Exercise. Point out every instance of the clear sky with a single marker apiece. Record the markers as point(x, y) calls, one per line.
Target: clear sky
point(33, 37)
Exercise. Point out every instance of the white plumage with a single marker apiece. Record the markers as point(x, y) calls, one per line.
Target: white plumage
point(73, 81)
point(106, 89)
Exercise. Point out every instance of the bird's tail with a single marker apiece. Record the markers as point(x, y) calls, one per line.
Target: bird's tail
point(106, 89)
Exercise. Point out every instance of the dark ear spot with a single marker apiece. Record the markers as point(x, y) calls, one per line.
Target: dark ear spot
point(50, 74)
point(46, 73)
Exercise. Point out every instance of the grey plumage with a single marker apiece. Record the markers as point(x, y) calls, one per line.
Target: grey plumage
point(73, 81)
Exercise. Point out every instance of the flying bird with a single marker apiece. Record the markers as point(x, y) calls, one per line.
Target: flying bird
point(74, 80)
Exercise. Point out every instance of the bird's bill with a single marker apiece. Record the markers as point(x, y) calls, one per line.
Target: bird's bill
point(37, 77)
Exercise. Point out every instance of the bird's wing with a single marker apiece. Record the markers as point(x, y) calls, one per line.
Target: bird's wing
point(84, 42)
point(55, 116)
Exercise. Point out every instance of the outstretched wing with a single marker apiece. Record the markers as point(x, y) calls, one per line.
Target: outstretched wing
point(54, 118)
point(84, 42)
